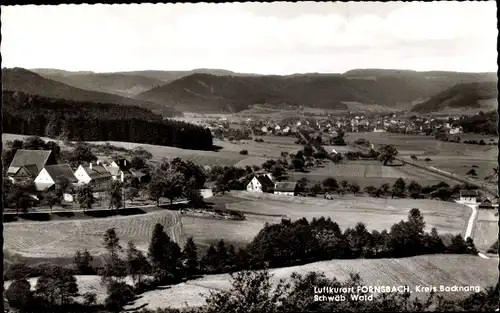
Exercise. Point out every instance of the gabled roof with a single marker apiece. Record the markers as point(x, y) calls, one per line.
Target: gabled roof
point(468, 193)
point(30, 170)
point(485, 204)
point(97, 171)
point(29, 157)
point(115, 171)
point(285, 186)
point(61, 170)
point(137, 174)
point(265, 181)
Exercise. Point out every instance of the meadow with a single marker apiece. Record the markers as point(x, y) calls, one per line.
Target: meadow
point(427, 146)
point(377, 214)
point(485, 231)
point(61, 239)
point(369, 173)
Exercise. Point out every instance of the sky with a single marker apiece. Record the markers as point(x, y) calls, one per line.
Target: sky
point(264, 38)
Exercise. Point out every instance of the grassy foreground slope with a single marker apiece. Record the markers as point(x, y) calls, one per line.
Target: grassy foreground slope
point(435, 270)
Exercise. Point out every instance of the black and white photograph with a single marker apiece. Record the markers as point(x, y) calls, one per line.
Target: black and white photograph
point(250, 157)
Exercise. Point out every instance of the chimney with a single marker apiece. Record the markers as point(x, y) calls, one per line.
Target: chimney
point(122, 178)
point(90, 165)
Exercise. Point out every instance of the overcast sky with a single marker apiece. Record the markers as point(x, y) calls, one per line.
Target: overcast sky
point(273, 38)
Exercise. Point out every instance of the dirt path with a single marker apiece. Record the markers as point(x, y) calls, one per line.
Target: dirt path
point(470, 226)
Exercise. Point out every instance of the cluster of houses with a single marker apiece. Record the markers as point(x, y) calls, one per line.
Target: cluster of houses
point(471, 197)
point(42, 168)
point(263, 182)
point(352, 123)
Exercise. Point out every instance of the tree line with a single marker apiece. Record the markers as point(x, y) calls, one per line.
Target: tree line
point(81, 121)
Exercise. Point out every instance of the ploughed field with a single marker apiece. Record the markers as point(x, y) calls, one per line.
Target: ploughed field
point(435, 270)
point(377, 214)
point(61, 239)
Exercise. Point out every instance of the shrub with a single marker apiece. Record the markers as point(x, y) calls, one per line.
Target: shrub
point(244, 152)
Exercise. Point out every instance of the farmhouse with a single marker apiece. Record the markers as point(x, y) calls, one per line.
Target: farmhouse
point(25, 172)
point(486, 204)
point(116, 172)
point(50, 173)
point(260, 183)
point(468, 196)
point(122, 164)
point(95, 175)
point(32, 160)
point(285, 188)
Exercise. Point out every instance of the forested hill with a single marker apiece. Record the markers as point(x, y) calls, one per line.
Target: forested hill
point(19, 79)
point(27, 114)
point(391, 88)
point(475, 96)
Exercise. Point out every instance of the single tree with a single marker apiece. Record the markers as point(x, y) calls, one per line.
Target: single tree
point(83, 262)
point(355, 188)
point(51, 199)
point(137, 263)
point(190, 258)
point(115, 194)
point(387, 154)
point(330, 184)
point(19, 294)
point(414, 189)
point(85, 197)
point(399, 188)
point(471, 173)
point(138, 163)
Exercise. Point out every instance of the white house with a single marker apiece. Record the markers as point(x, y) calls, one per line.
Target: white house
point(456, 130)
point(277, 128)
point(260, 183)
point(50, 173)
point(468, 196)
point(96, 175)
point(116, 172)
point(285, 188)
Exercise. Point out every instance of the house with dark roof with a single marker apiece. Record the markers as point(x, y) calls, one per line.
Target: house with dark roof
point(25, 172)
point(140, 177)
point(468, 196)
point(486, 204)
point(285, 188)
point(49, 175)
point(121, 163)
point(33, 162)
point(260, 183)
point(95, 175)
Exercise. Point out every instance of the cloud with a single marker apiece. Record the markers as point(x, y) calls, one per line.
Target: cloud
point(252, 37)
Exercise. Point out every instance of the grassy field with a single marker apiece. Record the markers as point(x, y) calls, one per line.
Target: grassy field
point(271, 147)
point(375, 213)
point(427, 146)
point(368, 172)
point(61, 239)
point(485, 231)
point(436, 270)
